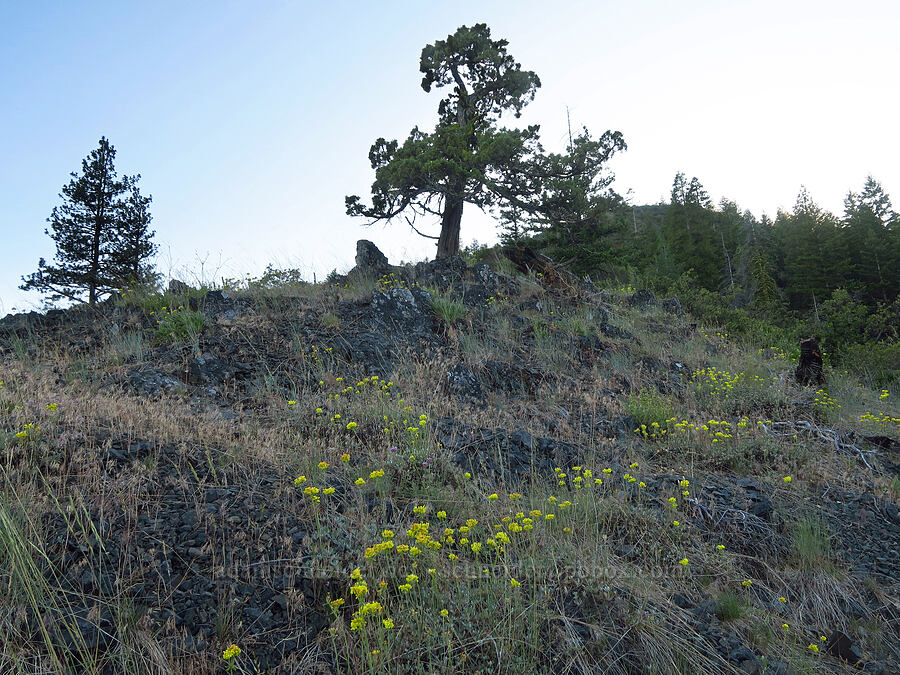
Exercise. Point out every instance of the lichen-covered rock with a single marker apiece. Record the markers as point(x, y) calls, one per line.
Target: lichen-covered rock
point(146, 381)
point(403, 309)
point(461, 381)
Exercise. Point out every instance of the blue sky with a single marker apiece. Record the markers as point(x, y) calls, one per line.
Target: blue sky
point(250, 121)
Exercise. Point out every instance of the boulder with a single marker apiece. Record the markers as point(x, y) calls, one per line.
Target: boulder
point(369, 259)
point(642, 298)
point(177, 287)
point(220, 306)
point(405, 311)
point(672, 306)
point(212, 371)
point(442, 273)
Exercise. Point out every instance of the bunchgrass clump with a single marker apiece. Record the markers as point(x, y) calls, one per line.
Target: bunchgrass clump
point(178, 324)
point(812, 544)
point(652, 412)
point(730, 605)
point(448, 310)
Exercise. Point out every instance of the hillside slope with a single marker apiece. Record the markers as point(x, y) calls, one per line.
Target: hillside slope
point(435, 468)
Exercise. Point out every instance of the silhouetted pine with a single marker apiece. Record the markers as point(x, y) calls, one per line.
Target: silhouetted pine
point(101, 232)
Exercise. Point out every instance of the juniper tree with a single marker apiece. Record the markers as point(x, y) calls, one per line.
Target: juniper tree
point(101, 231)
point(469, 158)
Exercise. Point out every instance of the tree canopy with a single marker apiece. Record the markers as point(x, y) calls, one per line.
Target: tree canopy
point(469, 158)
point(101, 231)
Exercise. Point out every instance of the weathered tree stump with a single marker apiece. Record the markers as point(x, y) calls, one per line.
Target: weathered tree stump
point(526, 259)
point(809, 370)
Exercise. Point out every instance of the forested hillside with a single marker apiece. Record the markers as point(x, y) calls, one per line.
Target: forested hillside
point(805, 272)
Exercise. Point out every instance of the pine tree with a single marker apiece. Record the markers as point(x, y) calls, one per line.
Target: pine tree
point(807, 238)
point(101, 234)
point(868, 243)
point(133, 243)
point(691, 234)
point(756, 268)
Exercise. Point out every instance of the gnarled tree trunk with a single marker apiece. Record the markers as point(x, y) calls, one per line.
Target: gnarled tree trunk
point(448, 242)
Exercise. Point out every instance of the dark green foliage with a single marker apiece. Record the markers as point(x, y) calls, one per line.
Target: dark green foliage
point(808, 242)
point(468, 158)
point(871, 242)
point(134, 245)
point(806, 273)
point(843, 320)
point(700, 238)
point(101, 232)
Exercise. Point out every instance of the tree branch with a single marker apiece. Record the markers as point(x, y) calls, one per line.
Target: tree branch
point(415, 229)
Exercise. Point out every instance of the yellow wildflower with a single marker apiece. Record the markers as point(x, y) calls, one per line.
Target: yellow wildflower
point(231, 652)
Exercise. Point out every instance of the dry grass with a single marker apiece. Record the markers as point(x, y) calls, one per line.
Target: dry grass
point(595, 597)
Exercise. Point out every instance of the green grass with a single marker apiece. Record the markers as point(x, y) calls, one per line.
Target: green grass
point(650, 408)
point(730, 606)
point(179, 325)
point(128, 346)
point(448, 310)
point(811, 545)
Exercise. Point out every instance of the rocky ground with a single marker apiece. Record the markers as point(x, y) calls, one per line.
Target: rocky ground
point(160, 489)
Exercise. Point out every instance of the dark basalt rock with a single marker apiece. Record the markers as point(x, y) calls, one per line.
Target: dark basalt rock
point(642, 298)
point(512, 378)
point(405, 311)
point(371, 351)
point(212, 372)
point(177, 287)
point(462, 381)
point(369, 259)
point(443, 273)
point(590, 349)
point(761, 508)
point(123, 451)
point(483, 286)
point(219, 305)
point(841, 646)
point(506, 456)
point(151, 382)
point(672, 306)
point(615, 332)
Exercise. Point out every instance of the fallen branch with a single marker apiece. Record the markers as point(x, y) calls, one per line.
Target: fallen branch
point(736, 518)
point(823, 434)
